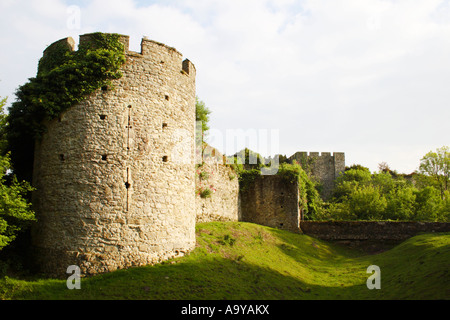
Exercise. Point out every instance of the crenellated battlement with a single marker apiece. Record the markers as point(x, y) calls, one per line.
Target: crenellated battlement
point(150, 50)
point(319, 154)
point(87, 38)
point(67, 43)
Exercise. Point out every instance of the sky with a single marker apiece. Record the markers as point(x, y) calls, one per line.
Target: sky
point(368, 78)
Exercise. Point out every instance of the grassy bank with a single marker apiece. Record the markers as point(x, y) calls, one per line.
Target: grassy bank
point(247, 261)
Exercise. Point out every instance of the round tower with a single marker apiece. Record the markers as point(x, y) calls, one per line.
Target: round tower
point(115, 174)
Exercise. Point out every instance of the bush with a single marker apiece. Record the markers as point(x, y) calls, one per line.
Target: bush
point(428, 204)
point(310, 200)
point(401, 204)
point(359, 195)
point(15, 210)
point(367, 203)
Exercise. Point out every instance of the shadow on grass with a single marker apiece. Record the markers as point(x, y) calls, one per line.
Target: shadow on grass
point(214, 279)
point(413, 270)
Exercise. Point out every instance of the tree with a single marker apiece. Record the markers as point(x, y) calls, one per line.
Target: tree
point(353, 178)
point(437, 165)
point(3, 121)
point(367, 203)
point(383, 167)
point(15, 211)
point(202, 114)
point(387, 195)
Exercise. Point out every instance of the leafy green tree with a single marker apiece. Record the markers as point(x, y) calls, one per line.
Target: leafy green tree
point(202, 114)
point(387, 195)
point(360, 195)
point(444, 213)
point(401, 204)
point(310, 200)
point(428, 204)
point(15, 210)
point(437, 165)
point(384, 181)
point(367, 203)
point(349, 181)
point(3, 121)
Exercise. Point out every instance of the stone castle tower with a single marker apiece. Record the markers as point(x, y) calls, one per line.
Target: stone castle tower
point(325, 167)
point(115, 174)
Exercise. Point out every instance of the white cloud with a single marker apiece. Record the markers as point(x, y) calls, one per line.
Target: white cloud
point(366, 78)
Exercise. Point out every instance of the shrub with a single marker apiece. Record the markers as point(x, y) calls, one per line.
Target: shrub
point(15, 210)
point(204, 192)
point(401, 204)
point(310, 200)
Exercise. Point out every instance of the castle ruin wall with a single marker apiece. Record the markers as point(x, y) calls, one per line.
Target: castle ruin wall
point(271, 201)
point(223, 204)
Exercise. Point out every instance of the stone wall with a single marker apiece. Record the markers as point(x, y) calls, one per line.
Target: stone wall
point(271, 201)
point(223, 204)
point(370, 230)
point(115, 175)
point(372, 236)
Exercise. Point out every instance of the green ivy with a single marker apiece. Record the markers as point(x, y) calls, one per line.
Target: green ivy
point(309, 197)
point(247, 177)
point(64, 79)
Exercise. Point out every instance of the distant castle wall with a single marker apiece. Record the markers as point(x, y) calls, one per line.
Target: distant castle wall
point(114, 174)
point(325, 167)
point(372, 236)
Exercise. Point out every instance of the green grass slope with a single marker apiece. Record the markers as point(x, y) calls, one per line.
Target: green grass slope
point(242, 261)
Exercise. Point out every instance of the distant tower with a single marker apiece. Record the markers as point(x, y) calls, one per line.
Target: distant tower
point(115, 173)
point(325, 167)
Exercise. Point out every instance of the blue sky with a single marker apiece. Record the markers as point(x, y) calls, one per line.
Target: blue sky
point(368, 78)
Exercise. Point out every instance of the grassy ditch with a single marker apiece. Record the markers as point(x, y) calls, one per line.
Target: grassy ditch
point(243, 261)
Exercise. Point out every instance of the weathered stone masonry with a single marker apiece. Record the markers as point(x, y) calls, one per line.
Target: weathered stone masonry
point(372, 236)
point(271, 201)
point(224, 203)
point(114, 188)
